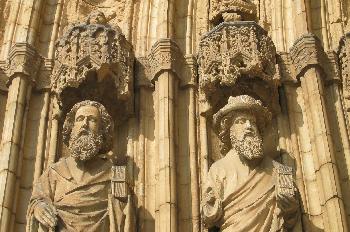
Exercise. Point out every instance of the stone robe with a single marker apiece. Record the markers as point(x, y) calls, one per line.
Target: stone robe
point(85, 206)
point(248, 206)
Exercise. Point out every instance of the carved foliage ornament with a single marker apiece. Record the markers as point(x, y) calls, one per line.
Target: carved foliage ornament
point(344, 61)
point(96, 47)
point(223, 8)
point(234, 50)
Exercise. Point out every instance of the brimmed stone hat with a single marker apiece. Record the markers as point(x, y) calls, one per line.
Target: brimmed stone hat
point(244, 103)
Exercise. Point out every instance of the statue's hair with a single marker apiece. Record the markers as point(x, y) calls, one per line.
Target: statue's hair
point(224, 131)
point(106, 127)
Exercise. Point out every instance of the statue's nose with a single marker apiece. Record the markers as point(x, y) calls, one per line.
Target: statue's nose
point(85, 123)
point(248, 124)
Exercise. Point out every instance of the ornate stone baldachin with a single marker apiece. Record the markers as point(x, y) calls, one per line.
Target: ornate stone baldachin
point(232, 51)
point(98, 48)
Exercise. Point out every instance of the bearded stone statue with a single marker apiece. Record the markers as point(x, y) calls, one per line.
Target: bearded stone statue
point(77, 193)
point(247, 190)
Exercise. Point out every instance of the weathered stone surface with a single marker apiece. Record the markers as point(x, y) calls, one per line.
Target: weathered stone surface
point(191, 57)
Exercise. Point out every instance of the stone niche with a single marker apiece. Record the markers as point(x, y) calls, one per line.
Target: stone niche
point(238, 58)
point(94, 61)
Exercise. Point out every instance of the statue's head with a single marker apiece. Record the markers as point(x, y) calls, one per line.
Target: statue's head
point(97, 17)
point(88, 130)
point(240, 125)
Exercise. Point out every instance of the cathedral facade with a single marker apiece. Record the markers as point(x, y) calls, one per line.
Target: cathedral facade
point(168, 72)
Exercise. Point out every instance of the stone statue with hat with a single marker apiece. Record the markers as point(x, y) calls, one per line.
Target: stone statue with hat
point(247, 190)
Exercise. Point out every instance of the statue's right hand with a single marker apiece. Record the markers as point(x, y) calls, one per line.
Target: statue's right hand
point(45, 214)
point(210, 197)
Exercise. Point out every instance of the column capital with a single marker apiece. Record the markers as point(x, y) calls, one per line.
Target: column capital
point(165, 56)
point(307, 51)
point(23, 59)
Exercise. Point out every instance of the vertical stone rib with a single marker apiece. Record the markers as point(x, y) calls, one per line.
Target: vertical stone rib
point(55, 117)
point(10, 29)
point(40, 151)
point(141, 159)
point(55, 29)
point(344, 136)
point(193, 162)
point(192, 128)
point(167, 165)
point(292, 106)
point(326, 170)
point(308, 167)
point(204, 146)
point(301, 18)
point(11, 146)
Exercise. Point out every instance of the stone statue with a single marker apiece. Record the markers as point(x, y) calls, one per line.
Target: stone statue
point(80, 192)
point(246, 190)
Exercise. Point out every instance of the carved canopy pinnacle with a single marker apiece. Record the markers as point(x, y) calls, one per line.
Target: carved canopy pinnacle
point(232, 10)
point(93, 49)
point(233, 52)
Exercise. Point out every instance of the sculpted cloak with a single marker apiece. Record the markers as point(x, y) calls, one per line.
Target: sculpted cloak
point(251, 205)
point(85, 206)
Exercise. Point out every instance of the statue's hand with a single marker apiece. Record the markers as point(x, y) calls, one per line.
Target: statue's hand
point(210, 197)
point(211, 209)
point(287, 203)
point(46, 214)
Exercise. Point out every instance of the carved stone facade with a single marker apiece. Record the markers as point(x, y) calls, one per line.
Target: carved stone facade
point(169, 73)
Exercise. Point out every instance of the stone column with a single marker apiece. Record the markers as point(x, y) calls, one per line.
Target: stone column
point(324, 159)
point(307, 55)
point(167, 85)
point(191, 85)
point(164, 60)
point(23, 65)
point(144, 105)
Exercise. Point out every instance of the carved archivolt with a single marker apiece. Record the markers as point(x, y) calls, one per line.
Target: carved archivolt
point(232, 51)
point(93, 49)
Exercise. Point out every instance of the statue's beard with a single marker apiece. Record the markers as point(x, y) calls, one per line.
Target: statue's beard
point(85, 146)
point(250, 147)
